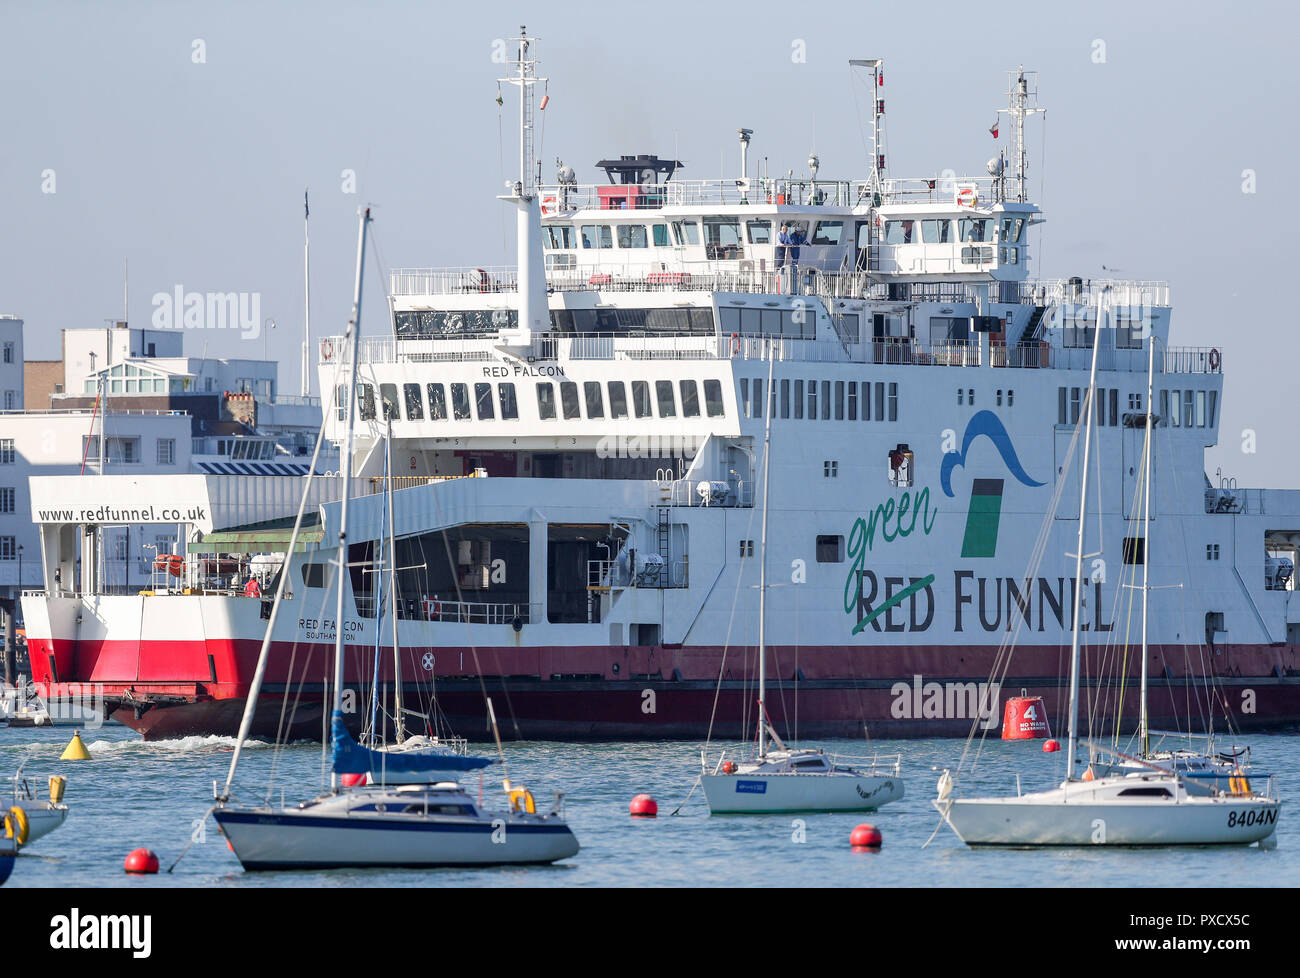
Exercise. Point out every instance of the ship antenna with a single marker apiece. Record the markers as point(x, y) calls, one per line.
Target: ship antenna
point(876, 171)
point(1022, 95)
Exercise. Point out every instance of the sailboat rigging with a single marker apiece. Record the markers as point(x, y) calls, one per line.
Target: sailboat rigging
point(782, 779)
point(1147, 807)
point(407, 824)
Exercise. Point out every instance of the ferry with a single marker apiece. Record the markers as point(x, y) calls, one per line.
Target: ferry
point(571, 446)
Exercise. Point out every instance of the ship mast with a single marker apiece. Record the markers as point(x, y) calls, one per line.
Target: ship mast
point(876, 171)
point(1023, 103)
point(762, 561)
point(534, 314)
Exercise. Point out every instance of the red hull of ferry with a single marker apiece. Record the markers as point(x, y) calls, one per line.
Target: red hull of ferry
point(168, 689)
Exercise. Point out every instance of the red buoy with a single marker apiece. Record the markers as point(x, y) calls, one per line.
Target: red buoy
point(141, 861)
point(643, 806)
point(866, 836)
point(728, 767)
point(1025, 718)
point(1051, 746)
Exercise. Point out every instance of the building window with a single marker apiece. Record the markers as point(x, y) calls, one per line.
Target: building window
point(9, 353)
point(831, 469)
point(124, 450)
point(746, 548)
point(830, 549)
point(11, 398)
point(1211, 549)
point(166, 451)
point(6, 451)
point(6, 499)
point(119, 549)
point(1134, 550)
point(8, 548)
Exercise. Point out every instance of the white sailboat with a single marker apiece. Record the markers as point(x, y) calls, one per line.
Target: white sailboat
point(1203, 771)
point(385, 824)
point(778, 778)
point(1151, 807)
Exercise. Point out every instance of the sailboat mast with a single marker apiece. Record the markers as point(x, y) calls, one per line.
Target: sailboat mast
point(392, 590)
point(306, 299)
point(762, 561)
point(1078, 551)
point(353, 340)
point(1144, 722)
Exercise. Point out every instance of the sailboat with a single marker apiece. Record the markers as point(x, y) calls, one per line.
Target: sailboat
point(778, 778)
point(1203, 771)
point(384, 824)
point(409, 752)
point(1148, 807)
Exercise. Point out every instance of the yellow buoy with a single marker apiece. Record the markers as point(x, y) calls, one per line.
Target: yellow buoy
point(57, 785)
point(76, 750)
point(17, 827)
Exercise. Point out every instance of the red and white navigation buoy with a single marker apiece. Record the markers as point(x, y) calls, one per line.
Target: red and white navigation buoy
point(1025, 718)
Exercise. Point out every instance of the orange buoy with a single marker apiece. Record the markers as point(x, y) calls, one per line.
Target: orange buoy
point(1025, 718)
point(141, 861)
point(728, 767)
point(643, 806)
point(866, 836)
point(1051, 746)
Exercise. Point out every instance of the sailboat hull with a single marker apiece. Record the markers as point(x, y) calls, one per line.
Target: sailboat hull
point(1043, 820)
point(290, 840)
point(758, 793)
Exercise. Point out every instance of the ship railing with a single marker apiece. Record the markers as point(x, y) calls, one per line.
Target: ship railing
point(702, 493)
point(482, 612)
point(565, 198)
point(1086, 292)
point(891, 764)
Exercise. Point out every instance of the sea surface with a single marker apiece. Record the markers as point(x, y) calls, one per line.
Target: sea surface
point(134, 794)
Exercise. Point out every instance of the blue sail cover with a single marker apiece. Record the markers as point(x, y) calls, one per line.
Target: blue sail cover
point(351, 758)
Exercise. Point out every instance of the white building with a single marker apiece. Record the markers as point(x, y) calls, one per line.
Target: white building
point(11, 363)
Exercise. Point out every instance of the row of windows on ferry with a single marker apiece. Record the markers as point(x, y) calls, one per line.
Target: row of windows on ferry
point(689, 321)
point(1177, 408)
point(968, 231)
point(487, 402)
point(722, 231)
point(428, 323)
point(841, 400)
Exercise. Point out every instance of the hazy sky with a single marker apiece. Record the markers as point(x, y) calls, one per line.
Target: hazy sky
point(195, 171)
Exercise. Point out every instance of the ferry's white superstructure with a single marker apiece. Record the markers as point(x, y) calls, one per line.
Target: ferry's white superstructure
point(575, 454)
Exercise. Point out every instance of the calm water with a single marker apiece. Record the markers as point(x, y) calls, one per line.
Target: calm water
point(137, 794)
